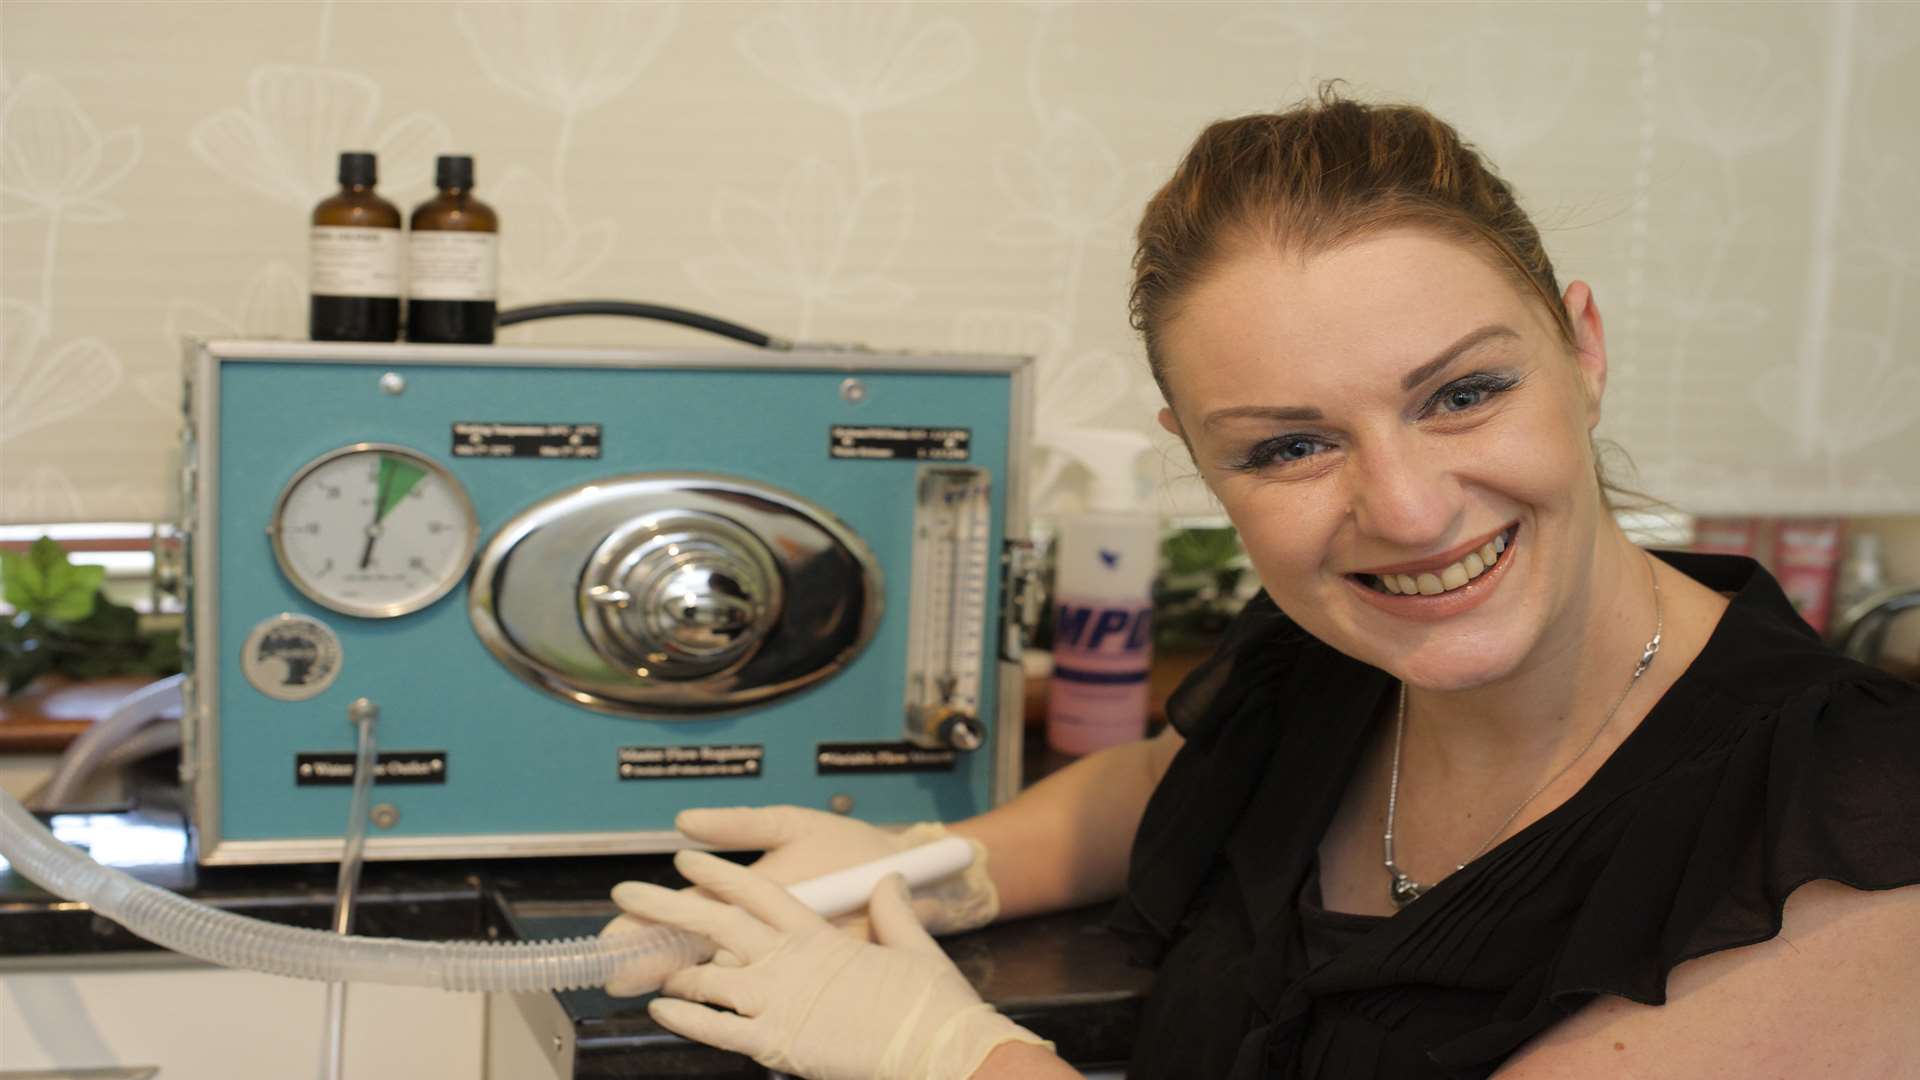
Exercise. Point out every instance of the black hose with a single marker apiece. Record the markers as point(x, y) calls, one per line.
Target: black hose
point(680, 316)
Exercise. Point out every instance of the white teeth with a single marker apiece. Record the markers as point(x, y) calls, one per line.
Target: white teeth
point(1445, 580)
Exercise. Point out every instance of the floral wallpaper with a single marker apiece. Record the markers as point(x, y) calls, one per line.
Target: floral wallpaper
point(1734, 180)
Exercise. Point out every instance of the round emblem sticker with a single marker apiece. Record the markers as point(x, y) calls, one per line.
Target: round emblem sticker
point(291, 657)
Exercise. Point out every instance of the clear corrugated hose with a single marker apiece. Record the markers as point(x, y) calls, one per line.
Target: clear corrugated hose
point(221, 937)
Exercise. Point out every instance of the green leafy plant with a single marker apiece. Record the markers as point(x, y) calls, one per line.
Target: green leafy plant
point(63, 623)
point(1201, 587)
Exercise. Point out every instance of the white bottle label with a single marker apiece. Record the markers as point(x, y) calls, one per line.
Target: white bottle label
point(1103, 630)
point(1099, 695)
point(355, 262)
point(452, 266)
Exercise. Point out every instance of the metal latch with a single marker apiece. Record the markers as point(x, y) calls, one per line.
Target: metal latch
point(1022, 598)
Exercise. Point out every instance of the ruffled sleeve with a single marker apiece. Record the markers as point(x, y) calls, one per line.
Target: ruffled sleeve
point(1260, 644)
point(1822, 786)
point(1225, 711)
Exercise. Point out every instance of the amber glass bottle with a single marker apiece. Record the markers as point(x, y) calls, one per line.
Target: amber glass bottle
point(354, 260)
point(452, 261)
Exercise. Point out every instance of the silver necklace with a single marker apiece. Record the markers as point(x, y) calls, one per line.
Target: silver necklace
point(1404, 890)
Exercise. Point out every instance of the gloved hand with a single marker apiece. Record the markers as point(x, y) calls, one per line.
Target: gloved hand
point(802, 843)
point(809, 999)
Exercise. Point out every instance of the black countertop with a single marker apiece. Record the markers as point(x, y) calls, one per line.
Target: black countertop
point(1060, 975)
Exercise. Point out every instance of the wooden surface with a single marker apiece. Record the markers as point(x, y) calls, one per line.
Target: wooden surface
point(53, 711)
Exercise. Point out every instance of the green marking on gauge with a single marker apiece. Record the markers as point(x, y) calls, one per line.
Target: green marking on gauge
point(397, 477)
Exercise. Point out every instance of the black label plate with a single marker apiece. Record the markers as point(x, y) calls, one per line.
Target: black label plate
point(741, 760)
point(495, 439)
point(389, 767)
point(881, 757)
point(885, 442)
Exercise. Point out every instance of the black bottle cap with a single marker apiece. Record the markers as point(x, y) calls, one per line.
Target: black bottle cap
point(358, 169)
point(453, 171)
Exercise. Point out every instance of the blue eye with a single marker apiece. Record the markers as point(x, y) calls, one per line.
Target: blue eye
point(1471, 392)
point(1284, 450)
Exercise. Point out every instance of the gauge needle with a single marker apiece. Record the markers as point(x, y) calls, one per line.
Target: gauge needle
point(396, 479)
point(385, 478)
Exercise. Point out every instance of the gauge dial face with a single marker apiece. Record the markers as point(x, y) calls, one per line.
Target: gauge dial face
point(374, 530)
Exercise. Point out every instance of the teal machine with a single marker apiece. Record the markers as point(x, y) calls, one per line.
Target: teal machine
point(588, 588)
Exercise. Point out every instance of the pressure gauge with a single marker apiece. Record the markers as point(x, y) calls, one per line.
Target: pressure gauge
point(374, 530)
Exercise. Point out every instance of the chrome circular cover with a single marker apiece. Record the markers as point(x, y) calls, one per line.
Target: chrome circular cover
point(680, 594)
point(662, 594)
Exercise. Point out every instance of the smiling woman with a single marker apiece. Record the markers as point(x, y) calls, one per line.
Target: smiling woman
point(1424, 410)
point(1460, 661)
point(1476, 785)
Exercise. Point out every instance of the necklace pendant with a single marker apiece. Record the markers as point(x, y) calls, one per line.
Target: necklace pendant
point(1404, 890)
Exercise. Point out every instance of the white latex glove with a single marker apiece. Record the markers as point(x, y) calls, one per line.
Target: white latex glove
point(809, 999)
point(801, 843)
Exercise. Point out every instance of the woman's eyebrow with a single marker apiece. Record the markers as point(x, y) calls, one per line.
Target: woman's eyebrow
point(1411, 379)
point(1452, 352)
point(1262, 412)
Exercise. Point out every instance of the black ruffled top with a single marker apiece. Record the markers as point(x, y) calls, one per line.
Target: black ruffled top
point(1770, 763)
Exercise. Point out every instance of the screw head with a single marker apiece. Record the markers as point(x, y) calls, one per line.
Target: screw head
point(853, 390)
point(393, 383)
point(384, 815)
point(841, 803)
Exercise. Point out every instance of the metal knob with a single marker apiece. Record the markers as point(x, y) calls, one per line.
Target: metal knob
point(943, 728)
point(963, 732)
point(680, 595)
point(703, 607)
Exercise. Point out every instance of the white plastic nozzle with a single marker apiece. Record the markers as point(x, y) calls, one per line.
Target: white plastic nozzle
point(1113, 459)
point(844, 891)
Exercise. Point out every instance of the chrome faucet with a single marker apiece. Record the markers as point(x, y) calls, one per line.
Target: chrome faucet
point(1861, 629)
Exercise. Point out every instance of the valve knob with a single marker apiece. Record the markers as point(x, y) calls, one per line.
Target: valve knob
point(680, 594)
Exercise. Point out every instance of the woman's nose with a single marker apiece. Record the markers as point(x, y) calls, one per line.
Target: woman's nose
point(1404, 494)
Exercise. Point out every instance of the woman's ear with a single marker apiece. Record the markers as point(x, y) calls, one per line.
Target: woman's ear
point(1589, 346)
point(1172, 424)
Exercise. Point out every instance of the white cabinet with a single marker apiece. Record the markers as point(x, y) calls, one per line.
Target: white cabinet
point(200, 1023)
